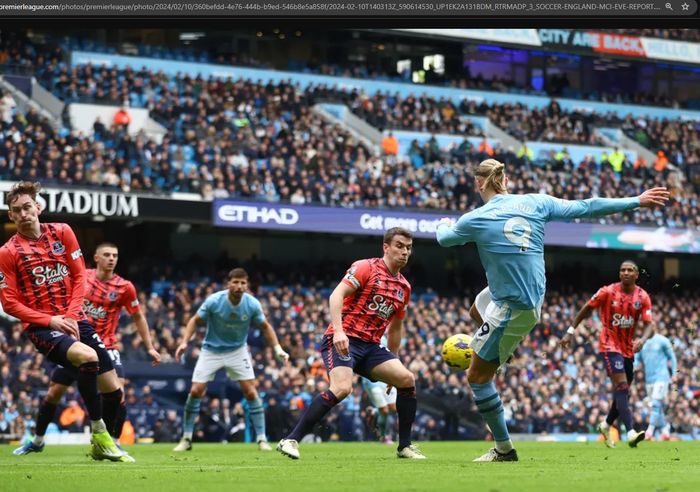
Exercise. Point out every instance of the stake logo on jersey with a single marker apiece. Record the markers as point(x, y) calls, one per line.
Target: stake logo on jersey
point(94, 312)
point(620, 314)
point(40, 275)
point(378, 298)
point(46, 274)
point(104, 301)
point(384, 308)
point(622, 321)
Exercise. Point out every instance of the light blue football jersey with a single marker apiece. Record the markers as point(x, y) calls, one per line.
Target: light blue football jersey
point(228, 325)
point(655, 355)
point(509, 234)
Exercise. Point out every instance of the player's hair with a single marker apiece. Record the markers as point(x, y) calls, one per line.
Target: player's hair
point(396, 231)
point(492, 172)
point(22, 188)
point(636, 267)
point(237, 273)
point(105, 244)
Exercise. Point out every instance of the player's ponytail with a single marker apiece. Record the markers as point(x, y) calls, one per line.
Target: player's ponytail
point(491, 173)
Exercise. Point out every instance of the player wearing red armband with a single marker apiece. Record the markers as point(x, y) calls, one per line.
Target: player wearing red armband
point(372, 297)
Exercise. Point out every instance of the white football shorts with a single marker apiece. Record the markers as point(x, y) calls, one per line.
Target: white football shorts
point(658, 390)
point(482, 301)
point(238, 365)
point(503, 329)
point(377, 393)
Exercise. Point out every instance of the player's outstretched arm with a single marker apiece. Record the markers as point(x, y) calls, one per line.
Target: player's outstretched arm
point(558, 209)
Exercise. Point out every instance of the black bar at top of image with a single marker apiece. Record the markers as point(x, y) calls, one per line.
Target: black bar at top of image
point(351, 8)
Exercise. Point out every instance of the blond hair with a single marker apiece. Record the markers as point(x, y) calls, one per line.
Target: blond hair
point(491, 172)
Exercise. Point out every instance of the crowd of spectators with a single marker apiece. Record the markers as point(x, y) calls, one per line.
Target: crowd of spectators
point(188, 99)
point(18, 53)
point(297, 157)
point(544, 389)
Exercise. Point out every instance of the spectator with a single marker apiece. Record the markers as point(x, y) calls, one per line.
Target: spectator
point(8, 107)
point(122, 119)
point(72, 417)
point(390, 145)
point(661, 162)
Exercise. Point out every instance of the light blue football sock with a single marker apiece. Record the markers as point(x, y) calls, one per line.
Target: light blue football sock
point(257, 416)
point(192, 407)
point(491, 409)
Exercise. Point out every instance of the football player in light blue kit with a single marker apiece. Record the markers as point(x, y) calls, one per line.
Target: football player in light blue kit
point(228, 315)
point(656, 355)
point(509, 233)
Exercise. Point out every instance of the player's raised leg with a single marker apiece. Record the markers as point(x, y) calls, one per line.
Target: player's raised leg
point(340, 387)
point(393, 373)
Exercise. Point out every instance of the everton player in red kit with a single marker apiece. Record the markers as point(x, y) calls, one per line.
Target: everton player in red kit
point(106, 294)
point(42, 283)
point(372, 296)
point(622, 307)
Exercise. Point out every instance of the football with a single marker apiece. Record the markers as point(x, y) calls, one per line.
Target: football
point(457, 353)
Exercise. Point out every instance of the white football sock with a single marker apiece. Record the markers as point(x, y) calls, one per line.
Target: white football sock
point(504, 447)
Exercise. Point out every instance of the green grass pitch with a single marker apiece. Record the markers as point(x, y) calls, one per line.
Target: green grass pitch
point(366, 467)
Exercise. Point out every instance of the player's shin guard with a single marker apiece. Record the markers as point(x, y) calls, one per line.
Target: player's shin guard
point(87, 385)
point(257, 416)
point(622, 403)
point(110, 409)
point(119, 422)
point(491, 409)
point(318, 409)
point(46, 412)
point(406, 409)
point(192, 407)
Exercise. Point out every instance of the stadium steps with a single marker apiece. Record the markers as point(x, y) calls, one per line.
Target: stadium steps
point(357, 127)
point(45, 103)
